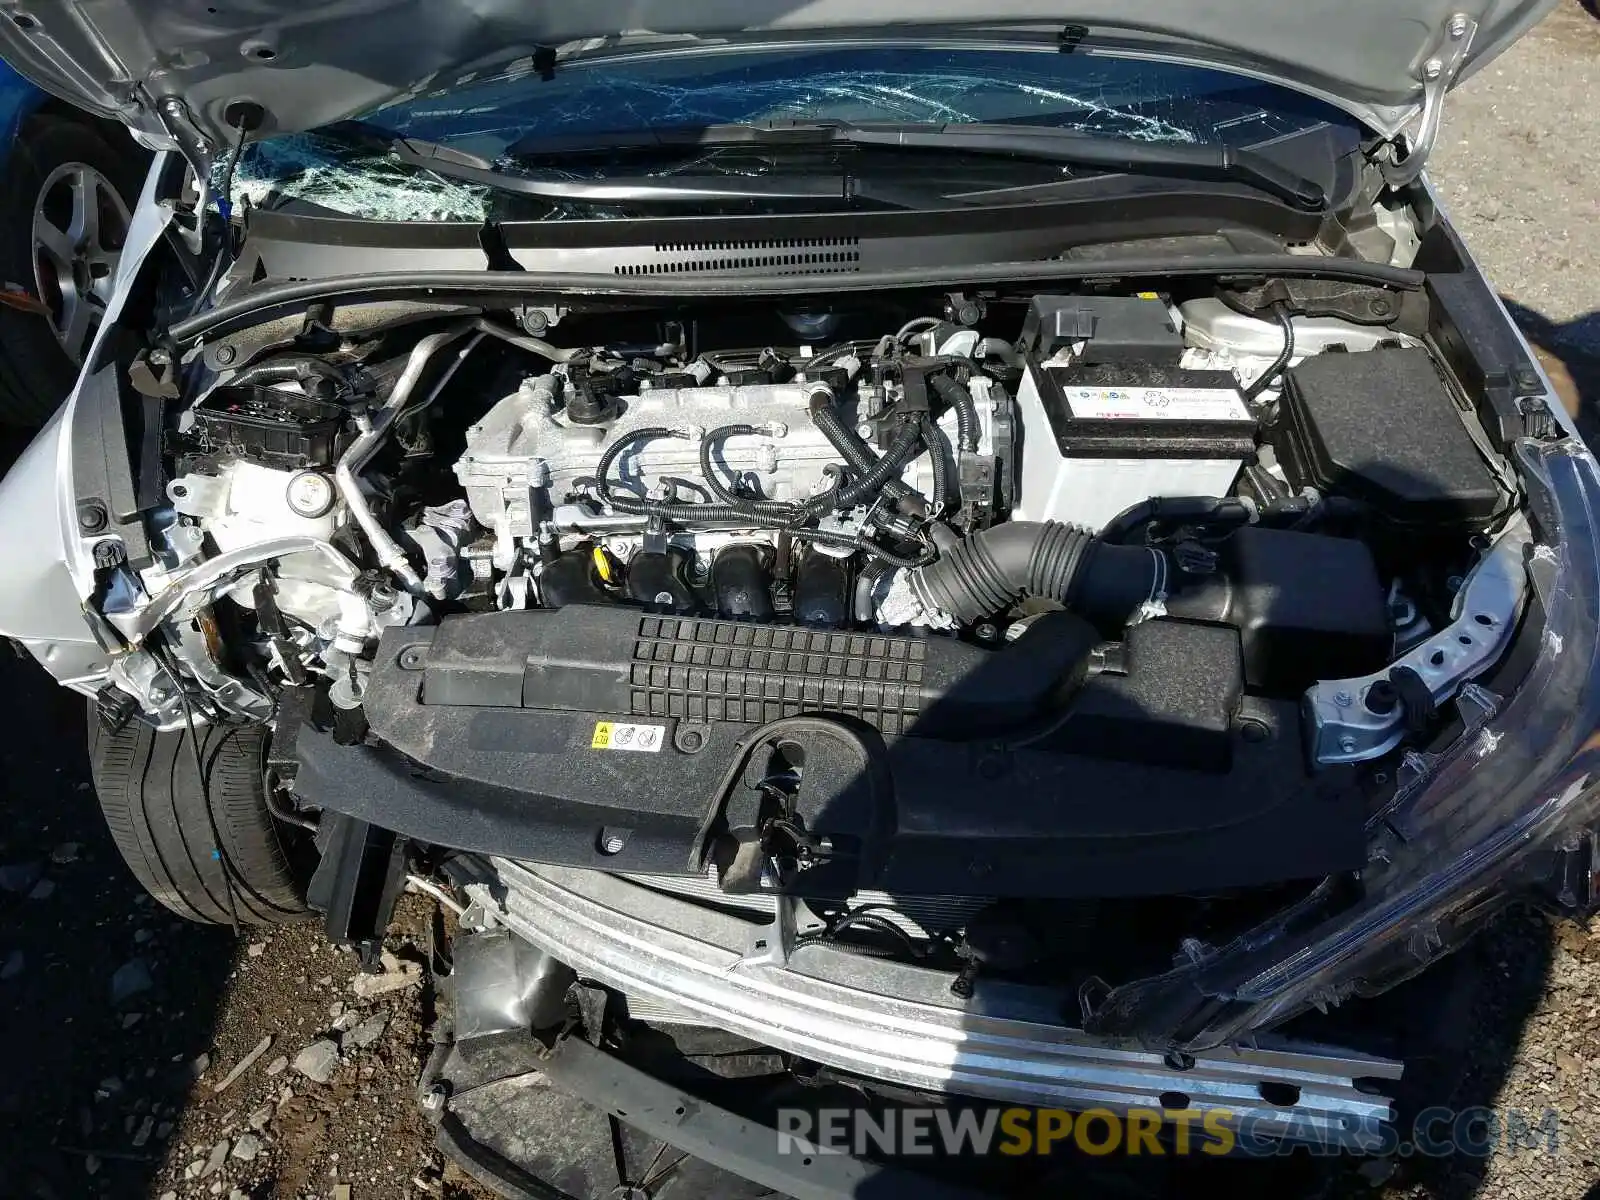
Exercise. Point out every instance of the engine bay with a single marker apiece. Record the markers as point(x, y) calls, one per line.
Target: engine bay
point(1213, 549)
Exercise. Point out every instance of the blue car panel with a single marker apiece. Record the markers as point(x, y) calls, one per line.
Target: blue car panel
point(18, 98)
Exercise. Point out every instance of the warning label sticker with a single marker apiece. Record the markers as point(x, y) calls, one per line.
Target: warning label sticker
point(1155, 404)
point(613, 735)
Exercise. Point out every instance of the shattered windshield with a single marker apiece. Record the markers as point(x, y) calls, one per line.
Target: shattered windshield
point(1086, 93)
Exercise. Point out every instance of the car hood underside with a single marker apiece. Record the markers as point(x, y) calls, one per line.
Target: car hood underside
point(172, 70)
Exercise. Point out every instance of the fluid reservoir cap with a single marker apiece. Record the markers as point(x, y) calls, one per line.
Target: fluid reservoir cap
point(309, 494)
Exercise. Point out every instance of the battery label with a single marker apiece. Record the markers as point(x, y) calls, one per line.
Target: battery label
point(613, 735)
point(1154, 404)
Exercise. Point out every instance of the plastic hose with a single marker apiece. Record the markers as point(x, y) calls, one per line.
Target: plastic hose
point(959, 398)
point(933, 437)
point(765, 513)
point(289, 368)
point(1175, 510)
point(768, 514)
point(992, 570)
point(866, 583)
point(776, 509)
point(845, 541)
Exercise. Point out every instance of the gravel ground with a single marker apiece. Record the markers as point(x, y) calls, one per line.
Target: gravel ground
point(1518, 167)
point(311, 1079)
point(1518, 163)
point(122, 1022)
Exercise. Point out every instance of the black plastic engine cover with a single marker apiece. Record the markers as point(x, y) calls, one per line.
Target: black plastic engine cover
point(1173, 702)
point(936, 766)
point(1306, 607)
point(591, 658)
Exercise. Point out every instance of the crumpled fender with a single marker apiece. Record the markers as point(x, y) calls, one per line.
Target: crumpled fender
point(49, 564)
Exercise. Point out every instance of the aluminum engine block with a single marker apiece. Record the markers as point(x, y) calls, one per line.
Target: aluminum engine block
point(525, 449)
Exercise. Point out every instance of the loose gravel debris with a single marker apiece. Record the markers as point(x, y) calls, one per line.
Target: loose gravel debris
point(245, 1064)
point(132, 979)
point(214, 1160)
point(350, 1120)
point(369, 1031)
point(318, 1061)
point(396, 976)
point(19, 878)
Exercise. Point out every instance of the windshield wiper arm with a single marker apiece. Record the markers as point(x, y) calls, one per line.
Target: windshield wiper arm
point(1041, 144)
point(677, 189)
point(1035, 142)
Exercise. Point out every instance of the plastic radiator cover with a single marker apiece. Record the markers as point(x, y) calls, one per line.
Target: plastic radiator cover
point(935, 766)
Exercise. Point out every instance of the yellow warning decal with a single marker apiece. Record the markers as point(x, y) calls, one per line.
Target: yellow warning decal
point(616, 735)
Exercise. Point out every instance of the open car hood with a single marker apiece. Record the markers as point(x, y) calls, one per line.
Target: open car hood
point(171, 68)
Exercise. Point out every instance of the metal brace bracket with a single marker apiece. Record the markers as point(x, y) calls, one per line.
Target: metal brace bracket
point(1349, 721)
point(1439, 71)
point(772, 944)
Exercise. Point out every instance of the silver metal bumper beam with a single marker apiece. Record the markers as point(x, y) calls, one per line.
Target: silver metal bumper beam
point(899, 1024)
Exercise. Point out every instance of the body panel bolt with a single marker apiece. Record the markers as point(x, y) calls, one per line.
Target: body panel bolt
point(91, 518)
point(226, 355)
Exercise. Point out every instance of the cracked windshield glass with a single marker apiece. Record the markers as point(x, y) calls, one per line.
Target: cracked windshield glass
point(351, 169)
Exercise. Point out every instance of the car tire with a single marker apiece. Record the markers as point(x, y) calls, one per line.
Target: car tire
point(191, 841)
point(36, 372)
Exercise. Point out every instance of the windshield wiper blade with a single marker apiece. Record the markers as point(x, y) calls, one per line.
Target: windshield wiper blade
point(1195, 160)
point(1038, 143)
point(644, 189)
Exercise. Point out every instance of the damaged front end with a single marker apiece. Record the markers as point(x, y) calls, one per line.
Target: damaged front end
point(1053, 677)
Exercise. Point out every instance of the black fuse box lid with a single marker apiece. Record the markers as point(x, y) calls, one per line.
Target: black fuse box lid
point(1144, 410)
point(1382, 426)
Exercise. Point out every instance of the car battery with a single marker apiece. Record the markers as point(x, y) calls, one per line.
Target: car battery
point(1100, 437)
